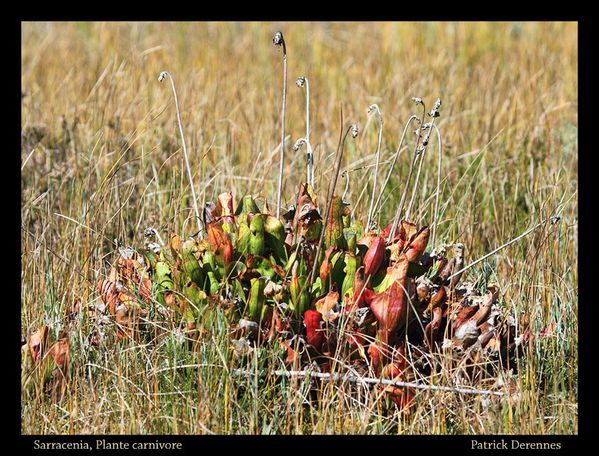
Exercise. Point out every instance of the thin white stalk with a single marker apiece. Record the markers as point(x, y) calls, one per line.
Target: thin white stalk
point(403, 135)
point(161, 78)
point(345, 174)
point(422, 154)
point(436, 213)
point(352, 378)
point(553, 219)
point(417, 151)
point(302, 81)
point(402, 200)
point(278, 40)
point(309, 159)
point(415, 190)
point(375, 109)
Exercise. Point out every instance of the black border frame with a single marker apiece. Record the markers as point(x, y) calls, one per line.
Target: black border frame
point(337, 444)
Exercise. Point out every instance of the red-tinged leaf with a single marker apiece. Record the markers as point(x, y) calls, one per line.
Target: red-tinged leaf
point(326, 266)
point(220, 242)
point(485, 308)
point(113, 274)
point(125, 268)
point(392, 370)
point(438, 299)
point(108, 293)
point(314, 334)
point(123, 320)
point(403, 397)
point(274, 321)
point(444, 270)
point(396, 371)
point(418, 244)
point(390, 307)
point(395, 249)
point(407, 229)
point(385, 232)
point(464, 315)
point(326, 304)
point(60, 351)
point(431, 329)
point(145, 289)
point(170, 299)
point(215, 236)
point(126, 298)
point(376, 355)
point(487, 332)
point(292, 355)
point(306, 212)
point(334, 224)
point(356, 339)
point(227, 250)
point(362, 294)
point(374, 256)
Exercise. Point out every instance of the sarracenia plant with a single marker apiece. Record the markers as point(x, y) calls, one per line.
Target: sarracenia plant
point(330, 293)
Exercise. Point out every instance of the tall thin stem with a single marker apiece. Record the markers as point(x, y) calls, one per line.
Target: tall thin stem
point(302, 81)
point(345, 174)
point(553, 219)
point(436, 214)
point(422, 152)
point(354, 130)
point(415, 156)
point(403, 135)
point(161, 78)
point(375, 109)
point(278, 40)
point(414, 191)
point(309, 159)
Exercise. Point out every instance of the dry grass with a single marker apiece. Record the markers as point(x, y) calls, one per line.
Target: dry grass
point(102, 160)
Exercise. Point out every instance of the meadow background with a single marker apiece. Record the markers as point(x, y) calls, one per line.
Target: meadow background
point(101, 159)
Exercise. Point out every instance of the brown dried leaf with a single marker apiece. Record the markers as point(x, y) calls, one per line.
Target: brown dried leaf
point(60, 351)
point(326, 304)
point(37, 342)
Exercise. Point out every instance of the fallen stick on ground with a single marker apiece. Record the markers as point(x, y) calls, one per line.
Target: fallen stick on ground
point(368, 380)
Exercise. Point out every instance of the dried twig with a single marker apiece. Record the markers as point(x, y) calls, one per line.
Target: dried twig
point(554, 219)
point(368, 380)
